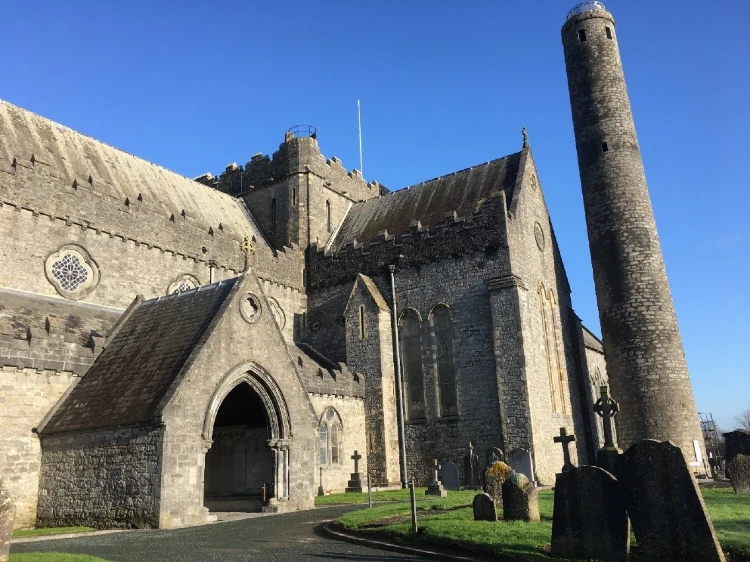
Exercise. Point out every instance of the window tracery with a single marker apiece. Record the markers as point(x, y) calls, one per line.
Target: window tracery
point(330, 433)
point(72, 271)
point(185, 282)
point(445, 366)
point(410, 334)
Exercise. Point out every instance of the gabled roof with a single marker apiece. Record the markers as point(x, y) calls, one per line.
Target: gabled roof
point(591, 341)
point(148, 350)
point(24, 135)
point(371, 288)
point(428, 202)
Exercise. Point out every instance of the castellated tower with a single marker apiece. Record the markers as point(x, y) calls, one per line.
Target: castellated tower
point(645, 359)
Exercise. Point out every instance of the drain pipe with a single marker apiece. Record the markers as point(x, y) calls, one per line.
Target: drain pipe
point(399, 392)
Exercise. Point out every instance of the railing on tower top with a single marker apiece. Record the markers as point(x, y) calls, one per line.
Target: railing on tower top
point(585, 7)
point(300, 131)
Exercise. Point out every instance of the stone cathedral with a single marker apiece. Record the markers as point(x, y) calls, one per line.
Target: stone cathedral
point(171, 346)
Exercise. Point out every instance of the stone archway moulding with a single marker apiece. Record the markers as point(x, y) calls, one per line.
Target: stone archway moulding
point(269, 392)
point(279, 423)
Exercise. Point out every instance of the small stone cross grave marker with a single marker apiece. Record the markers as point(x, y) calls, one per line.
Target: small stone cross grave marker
point(435, 488)
point(566, 440)
point(355, 484)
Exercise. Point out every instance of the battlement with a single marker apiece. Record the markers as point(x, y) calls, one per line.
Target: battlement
point(52, 348)
point(322, 376)
point(454, 236)
point(297, 154)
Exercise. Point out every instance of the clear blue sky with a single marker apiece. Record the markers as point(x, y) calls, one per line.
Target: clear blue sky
point(444, 85)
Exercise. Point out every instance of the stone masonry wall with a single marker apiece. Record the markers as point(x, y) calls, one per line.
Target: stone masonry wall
point(26, 396)
point(104, 479)
point(547, 323)
point(352, 412)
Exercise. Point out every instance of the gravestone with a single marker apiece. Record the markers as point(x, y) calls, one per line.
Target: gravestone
point(520, 499)
point(435, 488)
point(739, 473)
point(664, 504)
point(355, 484)
point(606, 408)
point(589, 518)
point(520, 460)
point(451, 478)
point(7, 515)
point(736, 442)
point(565, 440)
point(493, 455)
point(494, 476)
point(471, 468)
point(484, 508)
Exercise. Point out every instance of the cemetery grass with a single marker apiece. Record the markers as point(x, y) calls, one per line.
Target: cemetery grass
point(449, 522)
point(44, 531)
point(387, 496)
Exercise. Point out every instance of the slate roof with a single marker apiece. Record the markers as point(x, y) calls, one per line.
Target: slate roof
point(21, 311)
point(24, 134)
point(428, 202)
point(149, 349)
point(591, 341)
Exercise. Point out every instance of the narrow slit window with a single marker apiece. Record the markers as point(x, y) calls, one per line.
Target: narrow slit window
point(294, 197)
point(328, 216)
point(605, 147)
point(582, 35)
point(608, 31)
point(361, 323)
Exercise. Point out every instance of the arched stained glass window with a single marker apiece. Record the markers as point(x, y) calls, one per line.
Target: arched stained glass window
point(323, 443)
point(444, 361)
point(330, 432)
point(410, 334)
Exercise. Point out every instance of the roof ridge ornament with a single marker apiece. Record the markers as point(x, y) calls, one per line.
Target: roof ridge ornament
point(525, 134)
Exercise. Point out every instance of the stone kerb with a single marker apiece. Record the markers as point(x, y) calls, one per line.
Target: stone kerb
point(7, 515)
point(666, 509)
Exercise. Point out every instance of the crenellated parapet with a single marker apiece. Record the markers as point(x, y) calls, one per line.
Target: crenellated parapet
point(283, 267)
point(322, 376)
point(295, 155)
point(87, 203)
point(455, 236)
point(53, 348)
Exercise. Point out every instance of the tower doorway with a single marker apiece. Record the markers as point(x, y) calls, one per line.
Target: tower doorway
point(239, 471)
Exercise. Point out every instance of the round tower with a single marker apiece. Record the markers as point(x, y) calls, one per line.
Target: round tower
point(645, 359)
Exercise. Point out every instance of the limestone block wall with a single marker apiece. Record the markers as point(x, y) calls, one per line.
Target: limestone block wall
point(352, 413)
point(287, 304)
point(103, 479)
point(548, 326)
point(596, 368)
point(26, 396)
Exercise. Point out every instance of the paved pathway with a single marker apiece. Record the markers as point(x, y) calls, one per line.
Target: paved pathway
point(273, 538)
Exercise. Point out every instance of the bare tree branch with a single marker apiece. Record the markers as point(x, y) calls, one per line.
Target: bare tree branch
point(742, 420)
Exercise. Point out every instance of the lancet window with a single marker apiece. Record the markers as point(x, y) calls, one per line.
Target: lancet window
point(445, 365)
point(330, 433)
point(410, 334)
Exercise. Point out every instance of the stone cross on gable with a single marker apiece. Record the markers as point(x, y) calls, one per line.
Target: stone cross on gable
point(606, 408)
point(566, 440)
point(247, 248)
point(355, 457)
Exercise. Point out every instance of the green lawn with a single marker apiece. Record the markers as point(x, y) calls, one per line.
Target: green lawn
point(449, 522)
point(49, 531)
point(53, 557)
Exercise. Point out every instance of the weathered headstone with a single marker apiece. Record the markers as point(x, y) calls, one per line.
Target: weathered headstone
point(451, 478)
point(739, 473)
point(435, 488)
point(520, 460)
point(664, 504)
point(736, 442)
point(606, 408)
point(493, 455)
point(494, 476)
point(520, 499)
point(484, 508)
point(7, 515)
point(471, 468)
point(355, 484)
point(565, 440)
point(589, 517)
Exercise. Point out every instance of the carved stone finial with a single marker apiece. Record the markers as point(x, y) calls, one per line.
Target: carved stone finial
point(525, 134)
point(248, 249)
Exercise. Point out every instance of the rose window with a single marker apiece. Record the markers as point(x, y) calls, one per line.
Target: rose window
point(70, 272)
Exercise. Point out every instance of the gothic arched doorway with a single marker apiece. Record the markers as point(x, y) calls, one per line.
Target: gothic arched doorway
point(239, 470)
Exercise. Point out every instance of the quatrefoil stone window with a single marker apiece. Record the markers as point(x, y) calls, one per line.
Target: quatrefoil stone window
point(183, 283)
point(71, 271)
